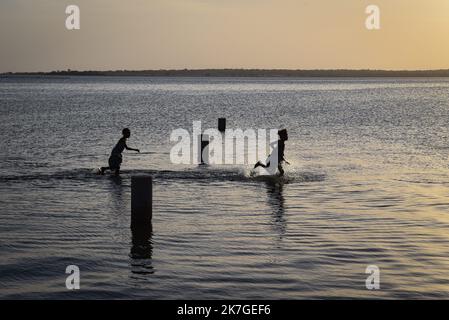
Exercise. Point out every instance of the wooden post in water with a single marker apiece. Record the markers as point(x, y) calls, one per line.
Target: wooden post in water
point(222, 124)
point(204, 142)
point(141, 201)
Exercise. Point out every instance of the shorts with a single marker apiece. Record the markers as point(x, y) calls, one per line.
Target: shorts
point(115, 160)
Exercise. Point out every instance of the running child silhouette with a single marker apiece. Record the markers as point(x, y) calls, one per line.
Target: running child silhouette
point(115, 160)
point(277, 157)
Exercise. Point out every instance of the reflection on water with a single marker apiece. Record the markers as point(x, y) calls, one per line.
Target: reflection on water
point(142, 246)
point(276, 201)
point(142, 249)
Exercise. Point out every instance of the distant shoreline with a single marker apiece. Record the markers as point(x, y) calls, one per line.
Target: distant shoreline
point(284, 73)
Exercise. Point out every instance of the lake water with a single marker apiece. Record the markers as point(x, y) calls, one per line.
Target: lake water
point(368, 184)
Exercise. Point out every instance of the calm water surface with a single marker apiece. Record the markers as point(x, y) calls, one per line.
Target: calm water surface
point(368, 184)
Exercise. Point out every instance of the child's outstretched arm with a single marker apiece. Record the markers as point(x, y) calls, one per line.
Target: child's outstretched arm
point(132, 149)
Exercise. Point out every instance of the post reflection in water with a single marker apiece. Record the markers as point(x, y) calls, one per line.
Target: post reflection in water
point(141, 233)
point(142, 249)
point(142, 245)
point(276, 201)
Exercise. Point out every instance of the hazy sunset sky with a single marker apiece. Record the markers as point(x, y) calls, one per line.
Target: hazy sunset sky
point(177, 34)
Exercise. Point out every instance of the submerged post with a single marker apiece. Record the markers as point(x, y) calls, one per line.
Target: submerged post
point(204, 150)
point(222, 124)
point(141, 201)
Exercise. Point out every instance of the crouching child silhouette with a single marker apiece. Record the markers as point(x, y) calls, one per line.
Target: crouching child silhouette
point(115, 160)
point(276, 159)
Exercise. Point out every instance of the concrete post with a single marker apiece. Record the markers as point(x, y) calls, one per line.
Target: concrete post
point(204, 142)
point(141, 201)
point(222, 124)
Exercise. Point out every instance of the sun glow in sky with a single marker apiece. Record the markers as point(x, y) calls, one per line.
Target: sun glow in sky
point(177, 34)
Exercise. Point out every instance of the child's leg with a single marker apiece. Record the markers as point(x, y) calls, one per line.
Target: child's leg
point(117, 171)
point(281, 170)
point(103, 169)
point(260, 164)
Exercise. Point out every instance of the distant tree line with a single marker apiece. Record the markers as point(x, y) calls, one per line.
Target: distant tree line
point(244, 73)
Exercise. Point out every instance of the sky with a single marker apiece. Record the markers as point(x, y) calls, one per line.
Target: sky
point(199, 34)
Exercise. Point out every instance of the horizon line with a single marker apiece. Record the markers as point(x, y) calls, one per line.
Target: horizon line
point(252, 72)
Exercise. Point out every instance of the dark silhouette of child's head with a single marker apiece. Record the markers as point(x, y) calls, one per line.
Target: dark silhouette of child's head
point(283, 135)
point(126, 133)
